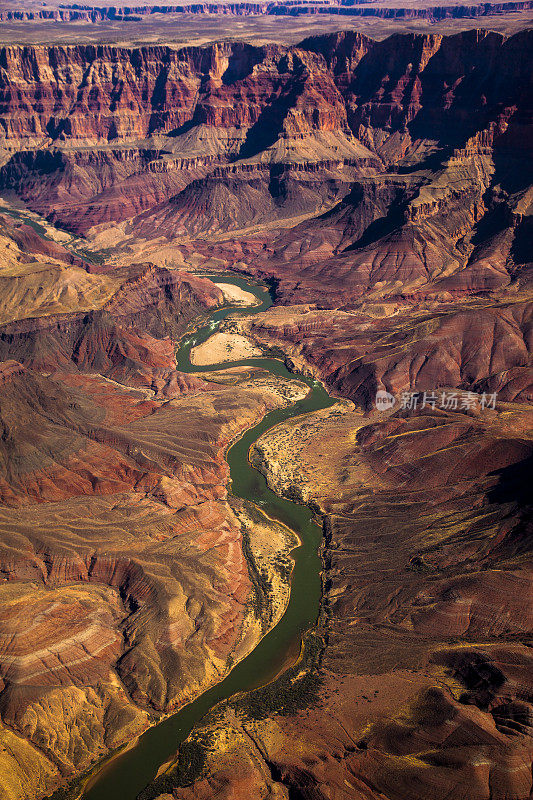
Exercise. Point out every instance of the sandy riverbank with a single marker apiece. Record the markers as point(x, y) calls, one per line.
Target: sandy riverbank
point(223, 347)
point(237, 296)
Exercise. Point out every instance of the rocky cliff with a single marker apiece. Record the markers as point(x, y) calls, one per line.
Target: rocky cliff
point(421, 687)
point(94, 14)
point(125, 588)
point(384, 191)
point(412, 143)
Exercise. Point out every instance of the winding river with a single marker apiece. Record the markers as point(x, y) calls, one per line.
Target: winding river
point(126, 774)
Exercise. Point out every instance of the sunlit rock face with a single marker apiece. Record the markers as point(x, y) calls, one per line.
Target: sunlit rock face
point(274, 131)
point(125, 588)
point(384, 190)
point(423, 675)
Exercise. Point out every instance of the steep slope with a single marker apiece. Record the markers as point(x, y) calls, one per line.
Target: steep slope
point(126, 591)
point(421, 686)
point(125, 588)
point(384, 190)
point(472, 346)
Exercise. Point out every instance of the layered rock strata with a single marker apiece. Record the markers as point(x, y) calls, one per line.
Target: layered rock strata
point(422, 686)
point(125, 588)
point(384, 190)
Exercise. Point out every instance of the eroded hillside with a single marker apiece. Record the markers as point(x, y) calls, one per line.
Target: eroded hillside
point(384, 190)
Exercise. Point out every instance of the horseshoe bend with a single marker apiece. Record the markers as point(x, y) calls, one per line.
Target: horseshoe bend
point(266, 421)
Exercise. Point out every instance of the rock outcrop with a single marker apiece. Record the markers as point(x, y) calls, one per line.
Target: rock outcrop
point(422, 686)
point(409, 350)
point(384, 191)
point(95, 14)
point(125, 587)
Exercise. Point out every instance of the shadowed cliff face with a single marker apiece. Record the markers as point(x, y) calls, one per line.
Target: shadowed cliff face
point(384, 190)
point(399, 168)
point(131, 94)
point(446, 111)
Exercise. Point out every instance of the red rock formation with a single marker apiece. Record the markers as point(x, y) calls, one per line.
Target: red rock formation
point(427, 542)
point(114, 506)
point(128, 339)
point(404, 98)
point(405, 164)
point(105, 96)
point(359, 353)
point(87, 13)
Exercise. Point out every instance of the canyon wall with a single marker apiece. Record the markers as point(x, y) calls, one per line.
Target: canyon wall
point(384, 191)
point(94, 14)
point(125, 589)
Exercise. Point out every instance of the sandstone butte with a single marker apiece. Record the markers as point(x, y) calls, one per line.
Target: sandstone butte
point(384, 189)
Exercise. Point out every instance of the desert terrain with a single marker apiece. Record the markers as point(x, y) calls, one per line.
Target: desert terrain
point(372, 164)
point(224, 347)
point(190, 23)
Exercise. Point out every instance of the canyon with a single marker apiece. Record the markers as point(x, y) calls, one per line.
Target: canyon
point(382, 190)
point(93, 14)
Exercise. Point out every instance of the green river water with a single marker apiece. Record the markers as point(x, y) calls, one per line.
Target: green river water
point(126, 774)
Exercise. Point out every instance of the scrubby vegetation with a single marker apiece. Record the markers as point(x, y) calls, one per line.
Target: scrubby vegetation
point(66, 792)
point(296, 689)
point(188, 768)
point(261, 583)
point(72, 791)
point(283, 565)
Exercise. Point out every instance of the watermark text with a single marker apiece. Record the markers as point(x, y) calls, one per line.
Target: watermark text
point(447, 401)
